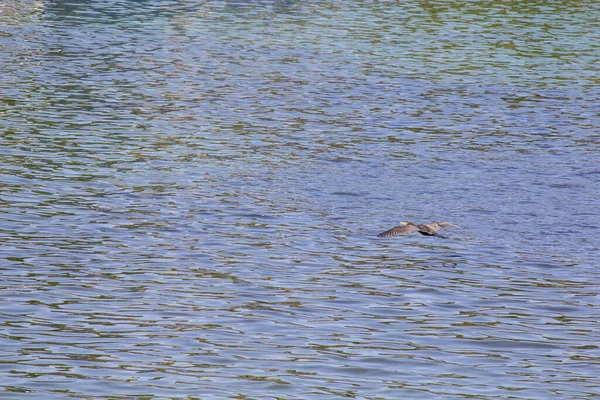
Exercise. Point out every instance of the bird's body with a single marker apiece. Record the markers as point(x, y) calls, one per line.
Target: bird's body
point(424, 229)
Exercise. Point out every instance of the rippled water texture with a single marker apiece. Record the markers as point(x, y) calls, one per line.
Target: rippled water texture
point(190, 193)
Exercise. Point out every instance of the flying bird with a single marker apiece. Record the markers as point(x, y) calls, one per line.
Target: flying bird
point(424, 229)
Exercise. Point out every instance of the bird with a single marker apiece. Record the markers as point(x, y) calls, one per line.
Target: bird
point(424, 229)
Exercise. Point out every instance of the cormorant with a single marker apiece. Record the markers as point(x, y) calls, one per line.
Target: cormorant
point(424, 229)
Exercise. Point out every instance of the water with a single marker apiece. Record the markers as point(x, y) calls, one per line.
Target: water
point(190, 193)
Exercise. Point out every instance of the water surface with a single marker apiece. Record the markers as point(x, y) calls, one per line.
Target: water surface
point(190, 194)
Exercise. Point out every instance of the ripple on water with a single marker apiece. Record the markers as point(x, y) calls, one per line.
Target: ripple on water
point(190, 195)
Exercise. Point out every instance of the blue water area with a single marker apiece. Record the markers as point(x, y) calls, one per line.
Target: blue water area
point(190, 194)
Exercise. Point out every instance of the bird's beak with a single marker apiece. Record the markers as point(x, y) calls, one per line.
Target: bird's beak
point(403, 223)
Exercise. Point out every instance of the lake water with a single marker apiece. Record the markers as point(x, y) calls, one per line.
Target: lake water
point(190, 193)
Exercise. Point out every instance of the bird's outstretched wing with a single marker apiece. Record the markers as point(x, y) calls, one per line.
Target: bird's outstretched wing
point(398, 230)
